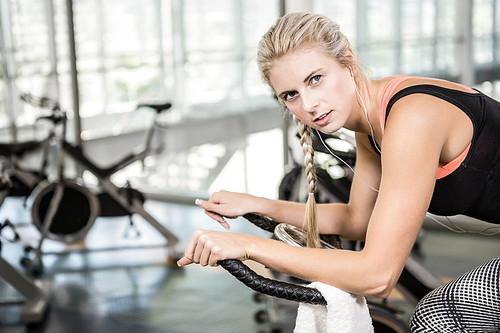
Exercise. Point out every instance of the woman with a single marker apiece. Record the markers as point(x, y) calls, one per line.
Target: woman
point(422, 144)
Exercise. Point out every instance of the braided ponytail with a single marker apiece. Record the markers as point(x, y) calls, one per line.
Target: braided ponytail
point(310, 218)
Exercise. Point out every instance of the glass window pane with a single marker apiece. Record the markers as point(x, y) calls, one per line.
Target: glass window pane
point(380, 16)
point(483, 31)
point(28, 54)
point(220, 63)
point(343, 13)
point(206, 25)
point(120, 53)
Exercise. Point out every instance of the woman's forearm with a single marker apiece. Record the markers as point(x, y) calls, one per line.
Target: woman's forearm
point(332, 218)
point(348, 270)
point(282, 211)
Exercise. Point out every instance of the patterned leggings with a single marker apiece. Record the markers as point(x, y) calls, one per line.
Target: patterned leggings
point(470, 303)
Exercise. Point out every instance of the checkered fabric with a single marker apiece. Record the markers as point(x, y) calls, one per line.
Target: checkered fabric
point(470, 303)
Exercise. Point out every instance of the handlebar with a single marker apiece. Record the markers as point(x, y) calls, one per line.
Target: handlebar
point(41, 102)
point(256, 282)
point(58, 115)
point(263, 222)
point(44, 102)
point(280, 289)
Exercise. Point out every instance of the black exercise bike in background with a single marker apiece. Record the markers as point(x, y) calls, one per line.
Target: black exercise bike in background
point(63, 207)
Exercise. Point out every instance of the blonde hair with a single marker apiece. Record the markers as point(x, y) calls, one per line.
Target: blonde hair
point(291, 32)
point(310, 219)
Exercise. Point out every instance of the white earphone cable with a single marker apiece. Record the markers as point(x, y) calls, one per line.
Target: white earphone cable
point(459, 230)
point(340, 159)
point(366, 115)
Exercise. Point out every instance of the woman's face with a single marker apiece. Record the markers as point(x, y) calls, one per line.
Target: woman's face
point(315, 88)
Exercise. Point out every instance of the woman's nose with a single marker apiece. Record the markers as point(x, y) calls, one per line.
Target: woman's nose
point(309, 102)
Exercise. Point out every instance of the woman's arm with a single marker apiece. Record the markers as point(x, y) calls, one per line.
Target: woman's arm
point(411, 149)
point(348, 220)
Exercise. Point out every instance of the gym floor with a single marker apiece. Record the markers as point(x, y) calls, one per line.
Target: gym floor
point(133, 286)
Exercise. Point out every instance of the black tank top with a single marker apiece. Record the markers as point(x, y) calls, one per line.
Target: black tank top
point(473, 189)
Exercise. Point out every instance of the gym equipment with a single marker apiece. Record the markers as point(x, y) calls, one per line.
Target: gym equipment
point(35, 299)
point(65, 209)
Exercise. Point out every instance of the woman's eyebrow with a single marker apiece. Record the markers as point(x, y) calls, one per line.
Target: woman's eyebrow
point(308, 77)
point(312, 74)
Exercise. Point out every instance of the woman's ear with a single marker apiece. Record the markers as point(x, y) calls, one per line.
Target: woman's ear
point(351, 60)
point(349, 54)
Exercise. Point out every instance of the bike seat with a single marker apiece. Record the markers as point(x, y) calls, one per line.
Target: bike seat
point(158, 107)
point(19, 148)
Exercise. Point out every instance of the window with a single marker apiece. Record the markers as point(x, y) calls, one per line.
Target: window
point(221, 39)
point(420, 37)
point(189, 52)
point(122, 55)
point(483, 31)
point(27, 57)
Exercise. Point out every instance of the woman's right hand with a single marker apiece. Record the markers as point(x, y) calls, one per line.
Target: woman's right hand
point(227, 204)
point(208, 247)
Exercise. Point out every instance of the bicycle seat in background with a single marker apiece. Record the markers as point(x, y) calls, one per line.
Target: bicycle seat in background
point(158, 107)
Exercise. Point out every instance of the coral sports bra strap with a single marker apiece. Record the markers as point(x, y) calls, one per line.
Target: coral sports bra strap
point(388, 93)
point(386, 97)
point(451, 166)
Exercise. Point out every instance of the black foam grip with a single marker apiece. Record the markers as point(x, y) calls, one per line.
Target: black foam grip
point(263, 222)
point(268, 224)
point(271, 287)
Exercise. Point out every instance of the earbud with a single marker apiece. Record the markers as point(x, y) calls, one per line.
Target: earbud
point(350, 70)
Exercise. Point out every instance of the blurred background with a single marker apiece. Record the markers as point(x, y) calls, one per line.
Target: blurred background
point(101, 58)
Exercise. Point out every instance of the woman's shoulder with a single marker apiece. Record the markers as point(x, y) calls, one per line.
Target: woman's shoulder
point(399, 82)
point(387, 88)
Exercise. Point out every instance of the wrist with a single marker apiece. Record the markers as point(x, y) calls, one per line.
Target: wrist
point(263, 206)
point(251, 246)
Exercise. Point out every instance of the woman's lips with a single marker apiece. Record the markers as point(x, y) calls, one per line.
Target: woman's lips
point(323, 119)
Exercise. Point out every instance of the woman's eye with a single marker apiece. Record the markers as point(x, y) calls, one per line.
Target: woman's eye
point(315, 79)
point(289, 96)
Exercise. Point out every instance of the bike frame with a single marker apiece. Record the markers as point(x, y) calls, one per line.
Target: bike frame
point(104, 175)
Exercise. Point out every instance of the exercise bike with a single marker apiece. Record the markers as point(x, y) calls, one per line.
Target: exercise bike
point(64, 209)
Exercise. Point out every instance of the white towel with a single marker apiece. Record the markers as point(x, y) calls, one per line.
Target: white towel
point(344, 313)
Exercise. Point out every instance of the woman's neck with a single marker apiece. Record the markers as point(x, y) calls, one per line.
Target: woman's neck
point(366, 115)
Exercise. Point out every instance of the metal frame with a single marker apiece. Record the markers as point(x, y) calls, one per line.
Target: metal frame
point(35, 299)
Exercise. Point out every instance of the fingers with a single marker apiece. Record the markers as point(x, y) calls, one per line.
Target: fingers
point(184, 261)
point(200, 250)
point(217, 217)
point(189, 253)
point(207, 252)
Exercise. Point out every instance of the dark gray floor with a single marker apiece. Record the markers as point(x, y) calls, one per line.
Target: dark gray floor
point(139, 290)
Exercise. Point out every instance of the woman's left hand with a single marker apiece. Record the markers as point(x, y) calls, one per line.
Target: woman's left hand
point(209, 247)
